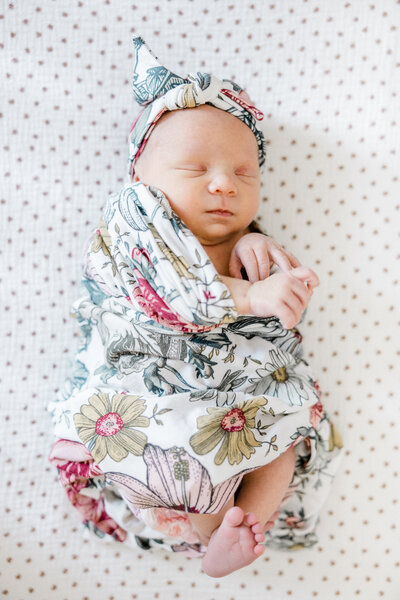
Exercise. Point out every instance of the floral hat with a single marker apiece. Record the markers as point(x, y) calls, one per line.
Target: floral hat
point(160, 90)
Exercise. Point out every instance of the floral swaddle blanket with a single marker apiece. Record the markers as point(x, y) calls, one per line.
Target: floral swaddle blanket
point(174, 396)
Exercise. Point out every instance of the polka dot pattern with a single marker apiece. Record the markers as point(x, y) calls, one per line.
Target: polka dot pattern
point(326, 76)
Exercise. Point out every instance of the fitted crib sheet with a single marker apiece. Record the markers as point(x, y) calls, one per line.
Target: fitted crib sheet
point(326, 77)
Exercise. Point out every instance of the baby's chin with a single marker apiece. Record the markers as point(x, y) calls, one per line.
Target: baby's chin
point(216, 235)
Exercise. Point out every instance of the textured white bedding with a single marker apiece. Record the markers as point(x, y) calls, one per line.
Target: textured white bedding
point(326, 76)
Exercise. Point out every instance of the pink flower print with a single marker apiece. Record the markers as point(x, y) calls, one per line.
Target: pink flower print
point(150, 302)
point(156, 309)
point(92, 509)
point(317, 388)
point(208, 296)
point(176, 480)
point(231, 428)
point(172, 523)
point(109, 425)
point(234, 420)
point(316, 412)
point(76, 466)
point(137, 254)
point(74, 463)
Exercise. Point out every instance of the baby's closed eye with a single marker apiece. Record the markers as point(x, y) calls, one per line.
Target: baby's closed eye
point(191, 168)
point(202, 169)
point(245, 174)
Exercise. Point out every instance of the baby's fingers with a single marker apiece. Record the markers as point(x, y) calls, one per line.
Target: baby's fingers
point(235, 264)
point(285, 260)
point(287, 316)
point(302, 292)
point(306, 275)
point(280, 259)
point(256, 269)
point(250, 263)
point(294, 261)
point(263, 262)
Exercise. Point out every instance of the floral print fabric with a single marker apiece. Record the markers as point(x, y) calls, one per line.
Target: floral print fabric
point(174, 396)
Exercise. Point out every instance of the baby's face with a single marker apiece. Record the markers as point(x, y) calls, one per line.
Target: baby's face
point(206, 163)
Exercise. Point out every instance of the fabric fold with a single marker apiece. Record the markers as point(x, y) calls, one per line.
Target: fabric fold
point(145, 258)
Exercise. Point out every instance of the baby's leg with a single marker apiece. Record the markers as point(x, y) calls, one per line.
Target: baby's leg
point(205, 524)
point(262, 490)
point(237, 541)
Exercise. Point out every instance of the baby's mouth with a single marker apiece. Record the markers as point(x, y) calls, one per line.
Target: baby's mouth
point(221, 212)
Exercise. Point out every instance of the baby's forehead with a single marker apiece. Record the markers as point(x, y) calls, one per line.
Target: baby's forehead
point(194, 127)
point(189, 117)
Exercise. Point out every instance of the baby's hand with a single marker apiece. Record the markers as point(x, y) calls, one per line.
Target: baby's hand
point(283, 295)
point(257, 253)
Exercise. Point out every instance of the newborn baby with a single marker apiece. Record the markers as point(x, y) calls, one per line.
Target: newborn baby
point(191, 421)
point(211, 179)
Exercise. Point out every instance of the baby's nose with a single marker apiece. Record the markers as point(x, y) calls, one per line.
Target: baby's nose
point(222, 184)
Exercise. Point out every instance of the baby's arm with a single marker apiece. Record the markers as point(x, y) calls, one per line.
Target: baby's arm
point(283, 295)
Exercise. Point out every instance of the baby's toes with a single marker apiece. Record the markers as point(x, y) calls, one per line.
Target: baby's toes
point(259, 538)
point(259, 549)
point(250, 520)
point(269, 525)
point(257, 528)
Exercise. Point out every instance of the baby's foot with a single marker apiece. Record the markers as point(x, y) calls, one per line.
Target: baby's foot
point(235, 544)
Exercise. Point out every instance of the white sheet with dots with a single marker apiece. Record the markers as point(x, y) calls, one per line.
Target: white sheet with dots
point(327, 77)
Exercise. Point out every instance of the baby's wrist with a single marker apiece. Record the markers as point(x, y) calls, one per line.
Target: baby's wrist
point(239, 290)
point(253, 295)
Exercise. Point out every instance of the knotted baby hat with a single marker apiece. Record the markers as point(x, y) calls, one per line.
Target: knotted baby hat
point(160, 90)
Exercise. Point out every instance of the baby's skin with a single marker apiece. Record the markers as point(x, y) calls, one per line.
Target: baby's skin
point(284, 295)
point(205, 161)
